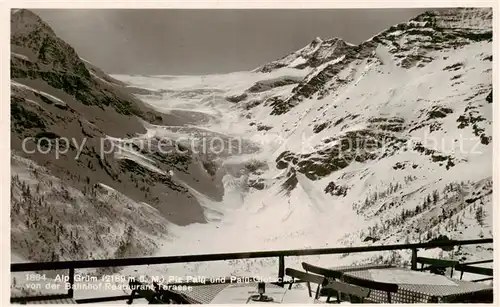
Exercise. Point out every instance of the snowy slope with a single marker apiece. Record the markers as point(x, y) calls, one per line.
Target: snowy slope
point(62, 223)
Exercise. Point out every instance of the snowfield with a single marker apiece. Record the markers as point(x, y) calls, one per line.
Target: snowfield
point(308, 217)
point(431, 100)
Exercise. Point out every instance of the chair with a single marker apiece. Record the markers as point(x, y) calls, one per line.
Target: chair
point(468, 268)
point(321, 271)
point(309, 278)
point(170, 297)
point(372, 285)
point(139, 290)
point(351, 291)
point(157, 296)
point(328, 273)
point(436, 266)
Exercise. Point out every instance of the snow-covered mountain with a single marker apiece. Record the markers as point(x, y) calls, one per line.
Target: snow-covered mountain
point(400, 117)
point(75, 130)
point(388, 142)
point(336, 145)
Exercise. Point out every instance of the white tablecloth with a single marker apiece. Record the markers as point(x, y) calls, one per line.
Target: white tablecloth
point(410, 277)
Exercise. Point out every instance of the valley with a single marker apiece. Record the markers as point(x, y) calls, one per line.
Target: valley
point(389, 141)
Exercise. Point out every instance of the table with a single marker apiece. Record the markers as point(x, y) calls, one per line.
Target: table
point(50, 301)
point(416, 286)
point(239, 293)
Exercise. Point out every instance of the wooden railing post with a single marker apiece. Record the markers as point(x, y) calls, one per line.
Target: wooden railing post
point(281, 271)
point(414, 259)
point(71, 281)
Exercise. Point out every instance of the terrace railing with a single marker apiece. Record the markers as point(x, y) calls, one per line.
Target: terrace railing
point(280, 254)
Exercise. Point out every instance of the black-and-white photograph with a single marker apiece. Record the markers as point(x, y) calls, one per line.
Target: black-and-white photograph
point(244, 155)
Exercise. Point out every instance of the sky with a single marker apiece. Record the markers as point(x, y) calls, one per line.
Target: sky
point(197, 42)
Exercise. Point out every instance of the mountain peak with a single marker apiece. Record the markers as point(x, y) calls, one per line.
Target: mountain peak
point(317, 52)
point(317, 40)
point(35, 39)
point(23, 12)
point(24, 21)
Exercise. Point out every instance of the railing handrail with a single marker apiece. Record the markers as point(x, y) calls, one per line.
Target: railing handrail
point(78, 264)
